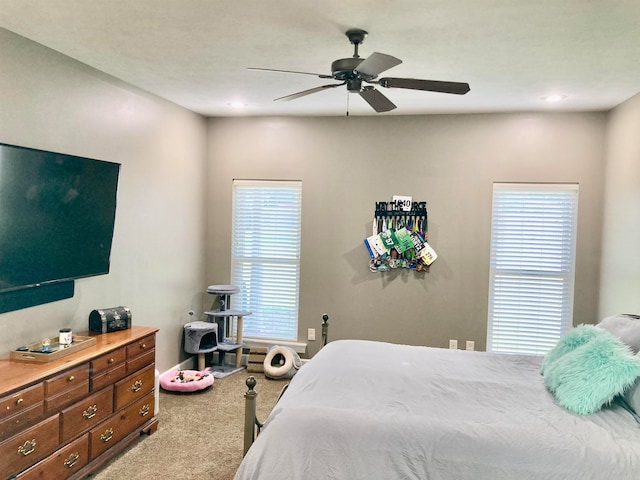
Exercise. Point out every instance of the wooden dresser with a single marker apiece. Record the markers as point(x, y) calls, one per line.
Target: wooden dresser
point(68, 417)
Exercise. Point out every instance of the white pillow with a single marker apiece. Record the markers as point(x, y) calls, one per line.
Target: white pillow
point(626, 327)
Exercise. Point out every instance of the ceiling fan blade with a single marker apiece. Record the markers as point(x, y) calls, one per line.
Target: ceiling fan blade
point(321, 75)
point(303, 93)
point(377, 63)
point(456, 88)
point(376, 99)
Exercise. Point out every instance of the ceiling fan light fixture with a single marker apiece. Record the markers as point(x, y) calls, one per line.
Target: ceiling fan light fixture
point(354, 85)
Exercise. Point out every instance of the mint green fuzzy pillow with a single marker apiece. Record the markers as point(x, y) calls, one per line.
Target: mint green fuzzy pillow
point(568, 343)
point(591, 375)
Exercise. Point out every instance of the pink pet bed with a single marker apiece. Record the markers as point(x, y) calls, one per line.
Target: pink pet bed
point(186, 380)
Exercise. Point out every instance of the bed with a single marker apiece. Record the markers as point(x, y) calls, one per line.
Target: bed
point(374, 410)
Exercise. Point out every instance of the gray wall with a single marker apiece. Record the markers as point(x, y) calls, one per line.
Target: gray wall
point(53, 103)
point(620, 286)
point(347, 164)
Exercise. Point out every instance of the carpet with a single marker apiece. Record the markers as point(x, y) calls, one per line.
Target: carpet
point(200, 434)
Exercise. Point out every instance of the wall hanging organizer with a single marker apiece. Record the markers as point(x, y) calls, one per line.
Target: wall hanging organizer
point(399, 236)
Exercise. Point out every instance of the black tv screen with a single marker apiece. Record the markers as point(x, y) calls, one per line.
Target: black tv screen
point(57, 215)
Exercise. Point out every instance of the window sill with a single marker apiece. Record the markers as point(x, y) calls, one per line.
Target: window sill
point(299, 347)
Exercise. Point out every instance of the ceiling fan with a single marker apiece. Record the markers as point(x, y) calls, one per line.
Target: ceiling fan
point(353, 71)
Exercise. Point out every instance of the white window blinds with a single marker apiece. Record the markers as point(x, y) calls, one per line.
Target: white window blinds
point(266, 256)
point(533, 242)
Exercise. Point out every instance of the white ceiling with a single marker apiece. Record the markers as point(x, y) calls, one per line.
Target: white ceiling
point(196, 52)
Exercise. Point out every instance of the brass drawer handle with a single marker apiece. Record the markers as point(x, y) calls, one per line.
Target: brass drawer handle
point(90, 412)
point(71, 461)
point(71, 379)
point(144, 411)
point(20, 401)
point(111, 360)
point(143, 346)
point(28, 447)
point(136, 386)
point(107, 435)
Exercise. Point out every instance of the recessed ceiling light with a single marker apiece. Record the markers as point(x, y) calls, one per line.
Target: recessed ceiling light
point(554, 97)
point(238, 105)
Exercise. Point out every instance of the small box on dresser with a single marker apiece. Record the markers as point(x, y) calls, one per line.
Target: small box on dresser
point(108, 320)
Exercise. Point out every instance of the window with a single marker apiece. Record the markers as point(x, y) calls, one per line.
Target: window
point(266, 256)
point(533, 243)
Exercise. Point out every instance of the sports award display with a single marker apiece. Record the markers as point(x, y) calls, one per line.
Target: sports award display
point(399, 236)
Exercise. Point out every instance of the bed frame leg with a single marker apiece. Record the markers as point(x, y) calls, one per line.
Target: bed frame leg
point(249, 414)
point(325, 328)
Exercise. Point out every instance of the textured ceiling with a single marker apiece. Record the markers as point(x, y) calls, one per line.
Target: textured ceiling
point(196, 52)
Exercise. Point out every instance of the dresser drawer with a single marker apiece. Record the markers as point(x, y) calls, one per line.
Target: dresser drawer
point(26, 448)
point(120, 425)
point(65, 388)
point(64, 463)
point(139, 412)
point(67, 397)
point(134, 386)
point(22, 400)
point(109, 377)
point(66, 381)
point(27, 417)
point(141, 346)
point(141, 361)
point(108, 361)
point(86, 413)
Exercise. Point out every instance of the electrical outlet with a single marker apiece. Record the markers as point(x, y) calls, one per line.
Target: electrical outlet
point(471, 345)
point(453, 344)
point(311, 334)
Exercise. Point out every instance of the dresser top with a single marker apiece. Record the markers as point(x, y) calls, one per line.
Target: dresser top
point(16, 374)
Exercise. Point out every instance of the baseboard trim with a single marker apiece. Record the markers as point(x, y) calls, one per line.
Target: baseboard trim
point(188, 364)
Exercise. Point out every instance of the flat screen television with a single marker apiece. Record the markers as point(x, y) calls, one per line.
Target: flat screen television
point(57, 215)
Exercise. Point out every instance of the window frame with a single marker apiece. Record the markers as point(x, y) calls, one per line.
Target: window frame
point(536, 294)
point(262, 258)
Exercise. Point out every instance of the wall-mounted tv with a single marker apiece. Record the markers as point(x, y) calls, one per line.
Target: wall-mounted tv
point(57, 215)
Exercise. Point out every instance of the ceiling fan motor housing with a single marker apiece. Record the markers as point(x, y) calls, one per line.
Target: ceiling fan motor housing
point(343, 68)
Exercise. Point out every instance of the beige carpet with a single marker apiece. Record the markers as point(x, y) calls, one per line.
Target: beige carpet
point(200, 435)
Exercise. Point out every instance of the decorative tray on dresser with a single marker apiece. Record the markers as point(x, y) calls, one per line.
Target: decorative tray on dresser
point(65, 418)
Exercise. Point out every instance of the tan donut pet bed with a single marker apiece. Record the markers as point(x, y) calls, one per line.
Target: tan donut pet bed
point(281, 362)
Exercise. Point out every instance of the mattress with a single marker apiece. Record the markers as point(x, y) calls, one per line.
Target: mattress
point(373, 410)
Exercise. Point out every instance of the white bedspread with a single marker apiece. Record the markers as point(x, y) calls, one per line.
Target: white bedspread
point(371, 410)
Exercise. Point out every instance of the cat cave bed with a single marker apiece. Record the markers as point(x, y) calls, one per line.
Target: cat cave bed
point(281, 362)
point(200, 338)
point(186, 381)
